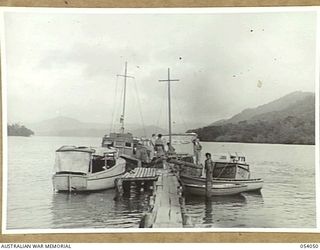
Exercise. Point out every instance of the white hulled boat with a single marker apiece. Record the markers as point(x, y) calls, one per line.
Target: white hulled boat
point(86, 169)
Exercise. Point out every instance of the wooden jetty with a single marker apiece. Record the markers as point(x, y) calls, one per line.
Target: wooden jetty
point(166, 211)
point(166, 203)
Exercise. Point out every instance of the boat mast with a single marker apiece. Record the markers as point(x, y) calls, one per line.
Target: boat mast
point(169, 100)
point(125, 76)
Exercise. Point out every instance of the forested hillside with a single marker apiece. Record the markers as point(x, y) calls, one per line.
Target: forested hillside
point(292, 123)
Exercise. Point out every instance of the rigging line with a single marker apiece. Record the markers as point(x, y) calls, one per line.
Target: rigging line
point(161, 108)
point(180, 114)
point(119, 104)
point(114, 105)
point(140, 109)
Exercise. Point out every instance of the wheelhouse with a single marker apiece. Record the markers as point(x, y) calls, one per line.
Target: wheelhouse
point(124, 142)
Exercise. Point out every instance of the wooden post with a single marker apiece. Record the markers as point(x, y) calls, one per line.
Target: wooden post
point(169, 80)
point(209, 169)
point(119, 188)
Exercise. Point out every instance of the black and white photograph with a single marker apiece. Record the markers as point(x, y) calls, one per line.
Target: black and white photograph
point(138, 120)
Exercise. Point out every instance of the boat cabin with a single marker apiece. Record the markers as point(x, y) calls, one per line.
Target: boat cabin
point(84, 160)
point(124, 142)
point(230, 157)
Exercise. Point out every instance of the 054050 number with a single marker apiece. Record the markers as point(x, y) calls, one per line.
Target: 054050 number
point(310, 245)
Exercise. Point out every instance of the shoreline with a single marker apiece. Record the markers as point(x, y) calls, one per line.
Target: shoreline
point(70, 136)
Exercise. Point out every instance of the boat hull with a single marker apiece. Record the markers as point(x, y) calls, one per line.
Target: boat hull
point(75, 182)
point(226, 170)
point(216, 190)
point(252, 185)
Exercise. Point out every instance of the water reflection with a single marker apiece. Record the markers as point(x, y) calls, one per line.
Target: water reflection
point(208, 219)
point(254, 198)
point(193, 199)
point(98, 209)
point(208, 212)
point(223, 211)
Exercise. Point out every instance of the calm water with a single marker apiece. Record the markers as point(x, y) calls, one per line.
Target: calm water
point(287, 199)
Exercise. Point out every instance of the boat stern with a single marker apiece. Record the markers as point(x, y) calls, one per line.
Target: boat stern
point(69, 182)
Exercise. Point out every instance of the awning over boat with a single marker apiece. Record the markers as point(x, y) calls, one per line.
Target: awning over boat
point(72, 161)
point(182, 142)
point(104, 151)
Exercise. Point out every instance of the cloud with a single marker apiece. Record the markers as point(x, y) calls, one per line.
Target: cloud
point(68, 63)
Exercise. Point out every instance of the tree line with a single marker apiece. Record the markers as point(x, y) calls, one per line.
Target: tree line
point(19, 130)
point(289, 130)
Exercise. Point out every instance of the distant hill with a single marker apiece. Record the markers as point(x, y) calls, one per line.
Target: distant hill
point(19, 130)
point(287, 120)
point(276, 105)
point(65, 126)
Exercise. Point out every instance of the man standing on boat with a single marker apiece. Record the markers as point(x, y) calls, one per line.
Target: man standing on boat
point(142, 153)
point(159, 146)
point(197, 150)
point(153, 140)
point(170, 149)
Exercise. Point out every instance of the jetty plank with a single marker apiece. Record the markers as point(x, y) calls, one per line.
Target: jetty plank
point(167, 206)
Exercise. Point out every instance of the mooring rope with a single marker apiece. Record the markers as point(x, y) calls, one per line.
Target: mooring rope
point(140, 109)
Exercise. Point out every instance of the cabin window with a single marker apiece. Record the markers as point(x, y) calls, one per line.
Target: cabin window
point(119, 143)
point(110, 161)
point(98, 164)
point(108, 143)
point(128, 144)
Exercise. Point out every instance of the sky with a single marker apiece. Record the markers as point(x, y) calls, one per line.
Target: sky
point(64, 64)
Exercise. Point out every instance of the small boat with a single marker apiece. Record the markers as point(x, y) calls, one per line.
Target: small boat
point(228, 168)
point(86, 168)
point(252, 185)
point(216, 190)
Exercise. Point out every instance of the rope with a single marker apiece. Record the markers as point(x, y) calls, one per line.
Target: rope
point(180, 116)
point(118, 110)
point(114, 105)
point(164, 100)
point(139, 106)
